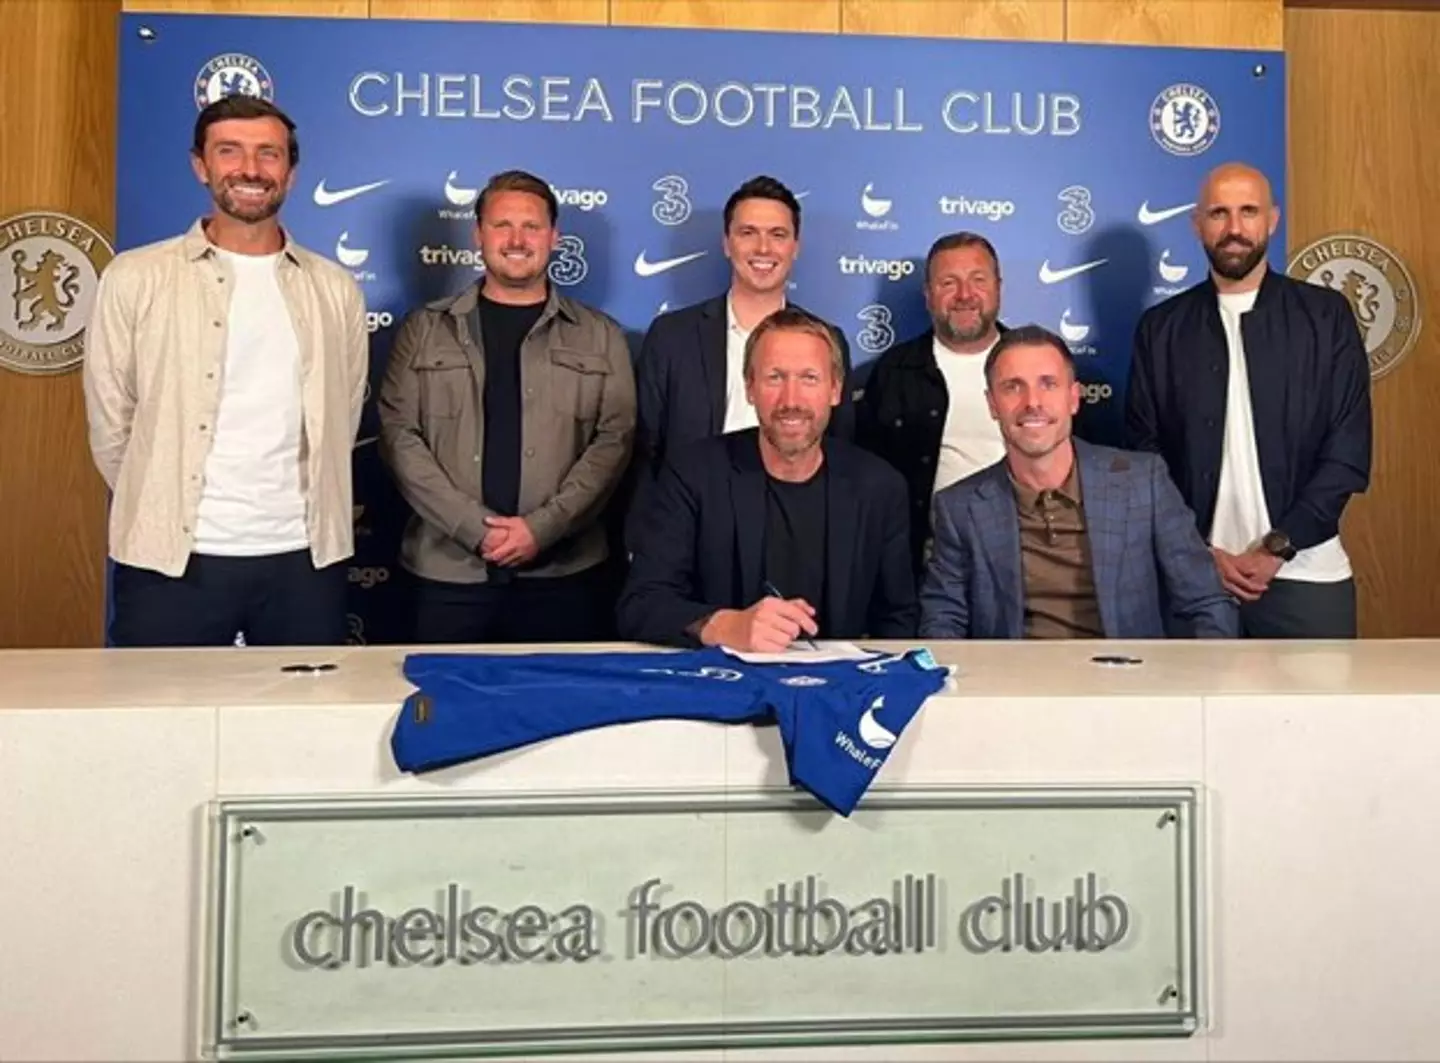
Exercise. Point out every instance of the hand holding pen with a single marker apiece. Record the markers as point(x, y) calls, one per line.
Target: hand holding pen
point(804, 622)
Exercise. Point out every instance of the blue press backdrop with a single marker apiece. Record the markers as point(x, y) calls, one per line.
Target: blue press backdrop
point(1080, 163)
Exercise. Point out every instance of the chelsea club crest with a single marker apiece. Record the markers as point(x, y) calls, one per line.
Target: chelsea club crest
point(233, 73)
point(1184, 120)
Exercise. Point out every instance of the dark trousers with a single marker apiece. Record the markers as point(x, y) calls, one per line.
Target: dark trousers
point(280, 600)
point(1293, 609)
point(578, 608)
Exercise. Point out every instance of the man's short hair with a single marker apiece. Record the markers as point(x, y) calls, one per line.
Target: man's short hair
point(519, 181)
point(955, 241)
point(239, 105)
point(763, 187)
point(1027, 336)
point(794, 319)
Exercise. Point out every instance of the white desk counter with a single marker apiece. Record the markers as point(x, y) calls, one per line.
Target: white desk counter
point(1319, 762)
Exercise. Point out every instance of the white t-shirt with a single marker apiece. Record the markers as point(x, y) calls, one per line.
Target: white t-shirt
point(252, 502)
point(971, 440)
point(1241, 515)
point(739, 414)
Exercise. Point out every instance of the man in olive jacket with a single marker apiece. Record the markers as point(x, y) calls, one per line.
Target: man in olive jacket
point(507, 417)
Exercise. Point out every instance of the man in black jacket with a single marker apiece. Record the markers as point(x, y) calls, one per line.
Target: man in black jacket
point(688, 376)
point(924, 408)
point(1255, 389)
point(755, 538)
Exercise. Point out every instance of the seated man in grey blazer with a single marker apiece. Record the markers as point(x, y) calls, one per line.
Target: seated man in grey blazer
point(1062, 538)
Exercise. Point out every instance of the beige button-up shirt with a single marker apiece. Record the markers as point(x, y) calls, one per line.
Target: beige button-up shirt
point(155, 350)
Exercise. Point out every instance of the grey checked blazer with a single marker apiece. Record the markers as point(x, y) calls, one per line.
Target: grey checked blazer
point(1148, 556)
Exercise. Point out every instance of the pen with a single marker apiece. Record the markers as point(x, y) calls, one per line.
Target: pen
point(770, 588)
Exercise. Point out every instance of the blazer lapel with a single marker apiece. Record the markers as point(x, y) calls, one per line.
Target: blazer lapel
point(714, 329)
point(842, 519)
point(747, 501)
point(998, 526)
point(1102, 494)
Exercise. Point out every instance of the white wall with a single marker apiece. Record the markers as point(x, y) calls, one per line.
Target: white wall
point(1321, 812)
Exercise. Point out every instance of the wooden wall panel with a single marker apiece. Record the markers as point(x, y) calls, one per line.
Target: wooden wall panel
point(814, 16)
point(1016, 20)
point(1189, 23)
point(57, 137)
point(596, 12)
point(294, 8)
point(1358, 163)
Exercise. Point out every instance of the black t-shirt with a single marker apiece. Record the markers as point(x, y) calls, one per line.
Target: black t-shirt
point(503, 329)
point(795, 538)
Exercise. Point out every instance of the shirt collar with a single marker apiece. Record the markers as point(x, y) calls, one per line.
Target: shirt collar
point(1027, 498)
point(730, 320)
point(196, 245)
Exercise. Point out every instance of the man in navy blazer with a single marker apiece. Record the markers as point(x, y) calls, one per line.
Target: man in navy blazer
point(1062, 538)
point(688, 377)
point(752, 539)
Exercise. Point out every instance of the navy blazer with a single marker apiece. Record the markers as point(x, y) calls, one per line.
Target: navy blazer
point(1143, 545)
point(1309, 391)
point(680, 382)
point(697, 540)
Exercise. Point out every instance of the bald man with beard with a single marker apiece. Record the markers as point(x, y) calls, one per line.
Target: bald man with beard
point(1255, 389)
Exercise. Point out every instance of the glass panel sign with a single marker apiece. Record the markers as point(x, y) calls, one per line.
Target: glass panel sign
point(415, 926)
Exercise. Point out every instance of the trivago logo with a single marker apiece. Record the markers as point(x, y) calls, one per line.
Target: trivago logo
point(1095, 392)
point(859, 265)
point(989, 209)
point(445, 255)
point(585, 199)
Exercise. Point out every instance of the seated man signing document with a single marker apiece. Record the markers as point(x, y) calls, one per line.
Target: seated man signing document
point(760, 537)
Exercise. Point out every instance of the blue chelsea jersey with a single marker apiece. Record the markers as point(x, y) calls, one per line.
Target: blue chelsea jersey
point(838, 719)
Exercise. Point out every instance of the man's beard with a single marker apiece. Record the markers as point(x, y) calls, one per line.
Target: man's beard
point(1232, 268)
point(791, 446)
point(247, 213)
point(983, 324)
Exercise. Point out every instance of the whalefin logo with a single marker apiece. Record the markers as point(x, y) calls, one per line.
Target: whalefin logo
point(1072, 333)
point(353, 257)
point(459, 199)
point(1075, 334)
point(872, 732)
point(873, 205)
point(875, 208)
point(1170, 274)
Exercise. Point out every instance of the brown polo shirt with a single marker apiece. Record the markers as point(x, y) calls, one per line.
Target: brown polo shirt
point(1059, 579)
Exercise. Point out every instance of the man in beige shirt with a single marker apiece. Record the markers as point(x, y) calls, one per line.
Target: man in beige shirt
point(507, 415)
point(224, 375)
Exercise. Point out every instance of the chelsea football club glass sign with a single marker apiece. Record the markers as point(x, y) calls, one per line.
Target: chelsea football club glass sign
point(413, 927)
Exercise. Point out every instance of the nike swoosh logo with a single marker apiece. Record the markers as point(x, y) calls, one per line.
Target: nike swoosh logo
point(649, 269)
point(1155, 217)
point(1055, 276)
point(326, 198)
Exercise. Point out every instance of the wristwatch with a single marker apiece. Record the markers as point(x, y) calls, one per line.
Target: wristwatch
point(1277, 543)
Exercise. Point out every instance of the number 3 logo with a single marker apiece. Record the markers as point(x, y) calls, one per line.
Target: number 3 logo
point(569, 266)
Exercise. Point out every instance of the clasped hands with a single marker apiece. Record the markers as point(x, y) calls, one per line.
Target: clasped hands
point(1247, 575)
point(509, 542)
